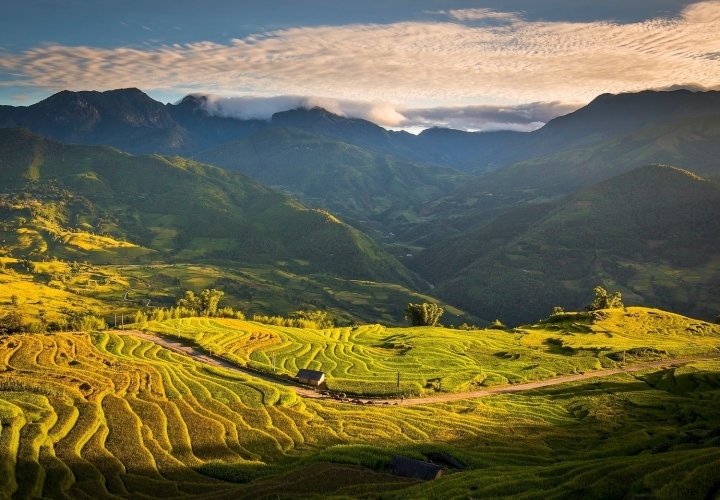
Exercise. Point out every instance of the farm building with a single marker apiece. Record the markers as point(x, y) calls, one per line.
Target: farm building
point(310, 377)
point(409, 467)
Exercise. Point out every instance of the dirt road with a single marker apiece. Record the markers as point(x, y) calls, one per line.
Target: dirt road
point(305, 392)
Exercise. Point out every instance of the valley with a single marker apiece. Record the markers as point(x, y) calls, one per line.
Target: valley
point(316, 235)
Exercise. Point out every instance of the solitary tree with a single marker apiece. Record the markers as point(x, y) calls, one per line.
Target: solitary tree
point(604, 300)
point(423, 314)
point(14, 300)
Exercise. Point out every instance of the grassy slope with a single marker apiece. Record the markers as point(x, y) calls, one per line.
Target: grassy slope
point(650, 233)
point(366, 359)
point(171, 208)
point(375, 190)
point(105, 415)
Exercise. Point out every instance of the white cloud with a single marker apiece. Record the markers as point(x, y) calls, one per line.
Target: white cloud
point(523, 117)
point(412, 63)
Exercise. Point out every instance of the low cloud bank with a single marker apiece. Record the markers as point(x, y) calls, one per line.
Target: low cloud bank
point(523, 117)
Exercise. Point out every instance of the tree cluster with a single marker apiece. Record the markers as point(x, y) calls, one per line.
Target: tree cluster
point(425, 314)
point(605, 300)
point(204, 304)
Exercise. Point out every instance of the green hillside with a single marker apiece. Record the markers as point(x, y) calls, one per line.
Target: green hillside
point(112, 416)
point(378, 191)
point(98, 204)
point(691, 143)
point(650, 233)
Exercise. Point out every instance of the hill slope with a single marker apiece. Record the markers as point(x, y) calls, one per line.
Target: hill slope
point(690, 143)
point(651, 233)
point(161, 207)
point(369, 188)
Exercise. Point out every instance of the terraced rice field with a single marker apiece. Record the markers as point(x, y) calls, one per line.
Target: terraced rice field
point(366, 360)
point(108, 416)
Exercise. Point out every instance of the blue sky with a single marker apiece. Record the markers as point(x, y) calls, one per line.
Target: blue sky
point(382, 60)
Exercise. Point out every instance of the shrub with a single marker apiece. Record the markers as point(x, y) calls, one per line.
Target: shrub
point(13, 322)
point(498, 325)
point(299, 319)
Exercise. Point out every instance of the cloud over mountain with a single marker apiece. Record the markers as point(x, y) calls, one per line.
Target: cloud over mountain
point(478, 117)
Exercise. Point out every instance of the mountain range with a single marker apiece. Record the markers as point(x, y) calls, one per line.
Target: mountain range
point(504, 224)
point(100, 204)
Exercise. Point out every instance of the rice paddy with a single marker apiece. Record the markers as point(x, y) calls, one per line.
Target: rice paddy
point(112, 416)
point(367, 360)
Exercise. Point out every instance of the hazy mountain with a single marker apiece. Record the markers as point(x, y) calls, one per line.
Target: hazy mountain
point(607, 116)
point(127, 119)
point(690, 143)
point(174, 209)
point(651, 233)
point(130, 120)
point(375, 190)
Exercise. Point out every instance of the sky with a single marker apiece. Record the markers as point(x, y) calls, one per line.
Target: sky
point(403, 64)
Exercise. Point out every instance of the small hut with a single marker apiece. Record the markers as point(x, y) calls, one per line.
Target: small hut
point(310, 377)
point(416, 469)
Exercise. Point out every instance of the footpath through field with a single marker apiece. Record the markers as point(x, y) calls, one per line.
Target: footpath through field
point(305, 392)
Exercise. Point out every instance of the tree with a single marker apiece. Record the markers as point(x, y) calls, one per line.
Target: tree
point(14, 300)
point(423, 314)
point(209, 300)
point(206, 303)
point(717, 320)
point(603, 300)
point(319, 318)
point(189, 301)
point(12, 322)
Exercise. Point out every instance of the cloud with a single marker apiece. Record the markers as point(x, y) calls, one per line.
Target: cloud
point(475, 15)
point(20, 98)
point(262, 108)
point(456, 61)
point(522, 117)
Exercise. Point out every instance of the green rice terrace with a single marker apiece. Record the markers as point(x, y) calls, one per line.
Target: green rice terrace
point(366, 360)
point(110, 415)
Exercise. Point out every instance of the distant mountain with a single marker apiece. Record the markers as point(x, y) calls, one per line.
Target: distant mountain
point(127, 119)
point(690, 143)
point(130, 120)
point(651, 233)
point(373, 189)
point(605, 117)
point(96, 203)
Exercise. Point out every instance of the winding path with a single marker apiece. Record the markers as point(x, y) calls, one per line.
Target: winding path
point(305, 392)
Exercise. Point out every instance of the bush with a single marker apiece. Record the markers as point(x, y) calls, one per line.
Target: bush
point(317, 320)
point(13, 322)
point(87, 323)
point(498, 325)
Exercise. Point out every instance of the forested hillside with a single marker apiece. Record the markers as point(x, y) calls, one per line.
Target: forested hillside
point(86, 202)
point(377, 191)
point(651, 233)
